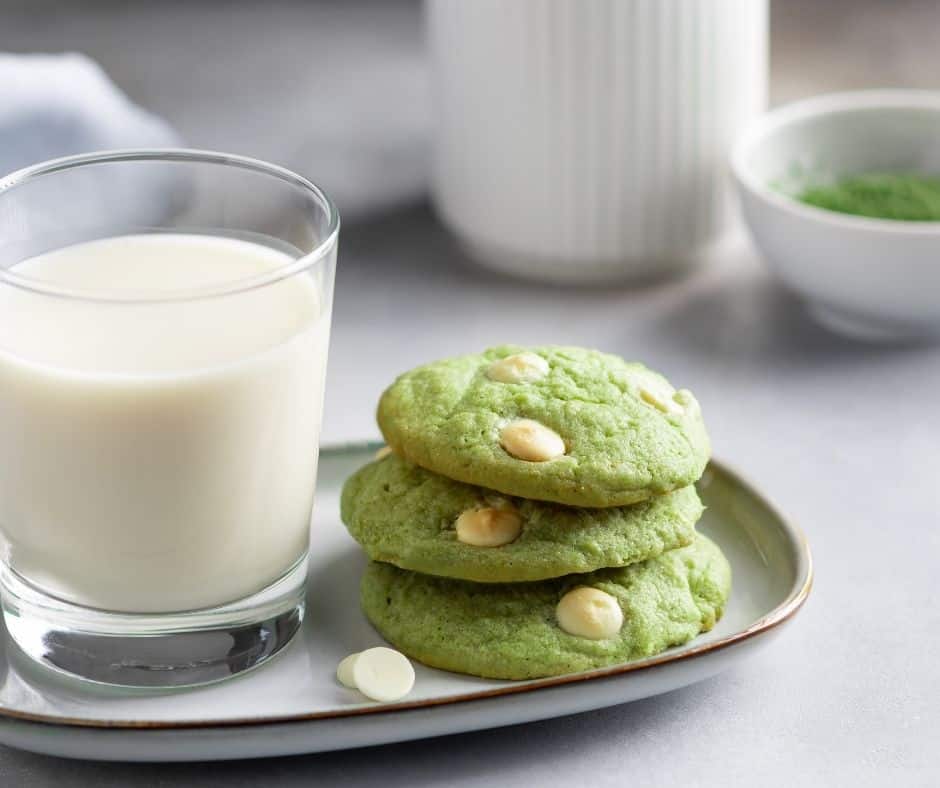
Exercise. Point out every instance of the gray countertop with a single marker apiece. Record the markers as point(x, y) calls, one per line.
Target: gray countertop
point(845, 437)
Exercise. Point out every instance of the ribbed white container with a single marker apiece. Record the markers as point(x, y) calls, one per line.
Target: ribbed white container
point(586, 140)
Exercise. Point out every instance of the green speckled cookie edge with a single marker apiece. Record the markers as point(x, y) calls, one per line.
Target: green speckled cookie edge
point(403, 514)
point(510, 632)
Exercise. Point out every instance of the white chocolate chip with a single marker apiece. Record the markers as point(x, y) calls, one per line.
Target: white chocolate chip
point(488, 527)
point(660, 395)
point(589, 613)
point(344, 671)
point(518, 368)
point(496, 501)
point(382, 453)
point(383, 674)
point(687, 400)
point(528, 440)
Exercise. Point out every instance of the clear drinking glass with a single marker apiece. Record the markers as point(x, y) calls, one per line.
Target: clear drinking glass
point(164, 325)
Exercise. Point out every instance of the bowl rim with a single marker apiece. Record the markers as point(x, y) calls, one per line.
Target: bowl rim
point(817, 106)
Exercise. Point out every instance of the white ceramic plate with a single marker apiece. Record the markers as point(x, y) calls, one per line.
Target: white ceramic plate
point(294, 704)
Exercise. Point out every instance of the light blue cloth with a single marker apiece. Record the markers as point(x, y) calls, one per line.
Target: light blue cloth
point(57, 105)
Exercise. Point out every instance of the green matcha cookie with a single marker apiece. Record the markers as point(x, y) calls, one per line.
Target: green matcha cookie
point(513, 631)
point(562, 424)
point(415, 519)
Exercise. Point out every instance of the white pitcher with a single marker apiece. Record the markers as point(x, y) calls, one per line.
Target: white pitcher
point(586, 140)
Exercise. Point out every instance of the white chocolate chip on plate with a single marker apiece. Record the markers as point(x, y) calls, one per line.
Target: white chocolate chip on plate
point(344, 671)
point(518, 368)
point(528, 440)
point(488, 527)
point(589, 613)
point(383, 674)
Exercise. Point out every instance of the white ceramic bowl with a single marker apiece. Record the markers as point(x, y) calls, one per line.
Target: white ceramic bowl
point(871, 278)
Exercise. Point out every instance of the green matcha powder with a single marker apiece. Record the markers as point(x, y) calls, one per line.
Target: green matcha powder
point(907, 197)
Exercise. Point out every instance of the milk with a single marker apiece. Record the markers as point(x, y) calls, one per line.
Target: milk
point(158, 457)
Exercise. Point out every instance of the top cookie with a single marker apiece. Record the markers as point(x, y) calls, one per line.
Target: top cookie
point(561, 424)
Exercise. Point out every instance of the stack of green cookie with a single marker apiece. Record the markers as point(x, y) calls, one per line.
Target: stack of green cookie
point(534, 514)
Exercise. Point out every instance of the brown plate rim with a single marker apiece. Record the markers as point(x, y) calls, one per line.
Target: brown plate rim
point(799, 592)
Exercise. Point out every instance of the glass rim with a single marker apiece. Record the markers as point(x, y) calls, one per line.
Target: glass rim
point(305, 261)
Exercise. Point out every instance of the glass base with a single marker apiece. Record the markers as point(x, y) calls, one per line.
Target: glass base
point(153, 650)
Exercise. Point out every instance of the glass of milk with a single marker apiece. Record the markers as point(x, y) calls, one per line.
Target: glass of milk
point(164, 325)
